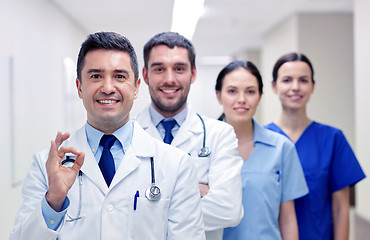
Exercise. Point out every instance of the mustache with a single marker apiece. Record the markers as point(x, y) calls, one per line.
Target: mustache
point(111, 95)
point(166, 85)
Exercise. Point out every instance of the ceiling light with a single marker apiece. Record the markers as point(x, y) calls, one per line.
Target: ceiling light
point(185, 16)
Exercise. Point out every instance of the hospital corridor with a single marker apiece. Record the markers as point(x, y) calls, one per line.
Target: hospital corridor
point(40, 41)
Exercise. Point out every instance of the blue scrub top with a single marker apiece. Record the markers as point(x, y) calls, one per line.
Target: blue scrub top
point(271, 175)
point(329, 165)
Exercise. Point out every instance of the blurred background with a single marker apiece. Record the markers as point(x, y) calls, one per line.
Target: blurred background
point(40, 40)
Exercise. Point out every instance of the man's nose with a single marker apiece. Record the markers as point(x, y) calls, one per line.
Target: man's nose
point(169, 76)
point(108, 86)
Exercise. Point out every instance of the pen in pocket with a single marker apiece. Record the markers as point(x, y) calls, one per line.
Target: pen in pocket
point(278, 175)
point(135, 199)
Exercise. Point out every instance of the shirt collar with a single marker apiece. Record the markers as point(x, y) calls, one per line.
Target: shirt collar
point(123, 134)
point(156, 117)
point(260, 134)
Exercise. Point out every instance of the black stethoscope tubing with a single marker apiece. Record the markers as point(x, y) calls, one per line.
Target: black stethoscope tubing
point(204, 151)
point(152, 170)
point(153, 193)
point(79, 216)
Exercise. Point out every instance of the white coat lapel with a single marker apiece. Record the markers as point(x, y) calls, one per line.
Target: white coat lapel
point(129, 163)
point(146, 123)
point(141, 147)
point(90, 166)
point(190, 127)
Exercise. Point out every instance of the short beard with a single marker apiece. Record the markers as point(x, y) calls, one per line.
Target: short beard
point(170, 109)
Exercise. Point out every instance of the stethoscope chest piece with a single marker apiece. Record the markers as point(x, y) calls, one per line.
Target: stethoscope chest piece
point(153, 193)
point(204, 152)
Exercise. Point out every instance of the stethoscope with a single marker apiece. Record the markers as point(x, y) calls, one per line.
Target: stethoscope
point(204, 151)
point(79, 216)
point(152, 193)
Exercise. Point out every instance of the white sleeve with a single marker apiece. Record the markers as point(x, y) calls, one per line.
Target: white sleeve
point(185, 219)
point(222, 206)
point(29, 221)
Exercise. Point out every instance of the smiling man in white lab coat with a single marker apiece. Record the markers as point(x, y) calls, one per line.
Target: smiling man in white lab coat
point(169, 71)
point(89, 200)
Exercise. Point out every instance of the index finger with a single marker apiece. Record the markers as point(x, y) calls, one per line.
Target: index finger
point(78, 162)
point(60, 138)
point(55, 144)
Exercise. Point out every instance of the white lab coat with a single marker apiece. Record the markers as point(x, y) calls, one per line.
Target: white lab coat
point(222, 206)
point(109, 212)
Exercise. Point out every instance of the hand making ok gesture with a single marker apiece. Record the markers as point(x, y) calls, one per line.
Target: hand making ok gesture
point(61, 178)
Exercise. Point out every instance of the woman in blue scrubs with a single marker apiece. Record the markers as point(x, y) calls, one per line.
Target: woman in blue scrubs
point(328, 161)
point(271, 174)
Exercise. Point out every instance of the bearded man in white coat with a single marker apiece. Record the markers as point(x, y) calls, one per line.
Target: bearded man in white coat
point(169, 71)
point(102, 193)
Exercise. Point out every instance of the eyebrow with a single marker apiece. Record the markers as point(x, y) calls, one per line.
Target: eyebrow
point(122, 71)
point(176, 64)
point(248, 87)
point(182, 64)
point(93, 70)
point(96, 70)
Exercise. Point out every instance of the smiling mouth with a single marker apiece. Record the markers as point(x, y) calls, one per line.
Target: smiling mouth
point(107, 101)
point(171, 90)
point(241, 109)
point(295, 97)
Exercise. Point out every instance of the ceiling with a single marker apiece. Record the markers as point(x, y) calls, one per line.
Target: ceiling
point(226, 27)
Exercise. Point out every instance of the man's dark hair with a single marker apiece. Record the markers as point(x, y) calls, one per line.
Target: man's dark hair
point(171, 40)
point(108, 41)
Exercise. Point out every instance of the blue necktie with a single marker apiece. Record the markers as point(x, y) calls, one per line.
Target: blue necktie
point(168, 125)
point(106, 162)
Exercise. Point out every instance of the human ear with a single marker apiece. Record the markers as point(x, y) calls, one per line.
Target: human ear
point(273, 86)
point(145, 75)
point(193, 74)
point(78, 86)
point(218, 94)
point(313, 87)
point(137, 85)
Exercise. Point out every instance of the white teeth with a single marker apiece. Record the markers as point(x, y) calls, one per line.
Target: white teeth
point(168, 90)
point(295, 97)
point(107, 101)
point(240, 109)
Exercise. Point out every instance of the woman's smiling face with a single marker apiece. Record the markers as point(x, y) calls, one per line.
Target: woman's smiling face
point(239, 95)
point(294, 84)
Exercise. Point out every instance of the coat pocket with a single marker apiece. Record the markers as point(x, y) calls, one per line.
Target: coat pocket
point(149, 220)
